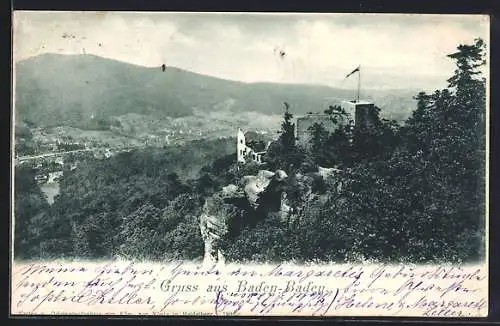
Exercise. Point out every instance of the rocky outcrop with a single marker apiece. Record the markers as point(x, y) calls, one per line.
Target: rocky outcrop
point(220, 212)
point(252, 199)
point(227, 210)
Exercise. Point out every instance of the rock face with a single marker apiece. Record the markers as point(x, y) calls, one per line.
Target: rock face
point(251, 200)
point(221, 212)
point(264, 183)
point(227, 210)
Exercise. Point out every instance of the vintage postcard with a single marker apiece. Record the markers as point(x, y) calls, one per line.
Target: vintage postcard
point(249, 164)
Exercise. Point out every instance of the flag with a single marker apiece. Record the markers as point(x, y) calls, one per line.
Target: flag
point(352, 72)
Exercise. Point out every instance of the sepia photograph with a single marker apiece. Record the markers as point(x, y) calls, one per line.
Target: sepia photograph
point(249, 138)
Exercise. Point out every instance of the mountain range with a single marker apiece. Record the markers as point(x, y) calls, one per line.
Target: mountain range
point(78, 90)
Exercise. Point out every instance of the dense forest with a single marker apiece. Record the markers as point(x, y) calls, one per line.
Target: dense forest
point(412, 192)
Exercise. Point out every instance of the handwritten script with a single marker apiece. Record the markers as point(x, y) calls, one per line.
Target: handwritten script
point(121, 288)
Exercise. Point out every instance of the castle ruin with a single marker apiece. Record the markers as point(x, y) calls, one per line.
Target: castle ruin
point(364, 114)
point(302, 125)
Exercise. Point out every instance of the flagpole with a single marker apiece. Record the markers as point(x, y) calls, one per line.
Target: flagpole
point(359, 80)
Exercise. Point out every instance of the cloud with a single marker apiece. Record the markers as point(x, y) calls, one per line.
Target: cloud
point(319, 49)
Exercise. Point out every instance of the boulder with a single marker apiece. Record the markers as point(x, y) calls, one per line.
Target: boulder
point(254, 185)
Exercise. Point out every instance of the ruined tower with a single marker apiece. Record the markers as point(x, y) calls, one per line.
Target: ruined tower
point(364, 112)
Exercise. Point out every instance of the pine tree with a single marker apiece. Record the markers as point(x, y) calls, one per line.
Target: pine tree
point(287, 130)
point(469, 59)
point(285, 154)
point(445, 137)
point(470, 89)
point(320, 148)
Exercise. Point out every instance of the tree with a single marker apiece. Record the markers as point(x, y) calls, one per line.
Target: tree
point(469, 59)
point(340, 146)
point(285, 154)
point(338, 114)
point(320, 151)
point(444, 142)
point(337, 146)
point(30, 210)
point(287, 137)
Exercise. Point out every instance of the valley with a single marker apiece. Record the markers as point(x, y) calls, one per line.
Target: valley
point(101, 107)
point(96, 93)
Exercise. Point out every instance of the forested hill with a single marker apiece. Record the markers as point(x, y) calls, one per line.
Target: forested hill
point(70, 89)
point(53, 89)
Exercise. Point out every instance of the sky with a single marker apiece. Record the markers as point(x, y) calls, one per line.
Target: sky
point(392, 50)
